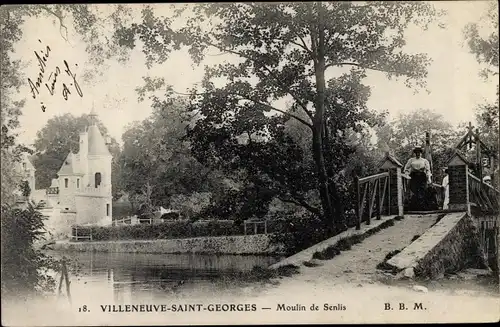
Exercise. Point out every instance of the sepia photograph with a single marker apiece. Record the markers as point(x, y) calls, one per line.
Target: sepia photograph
point(228, 163)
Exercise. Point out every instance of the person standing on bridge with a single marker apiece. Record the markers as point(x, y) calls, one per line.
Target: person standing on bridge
point(419, 170)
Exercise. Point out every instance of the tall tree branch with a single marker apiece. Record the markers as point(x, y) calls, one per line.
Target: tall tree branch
point(301, 203)
point(268, 106)
point(348, 63)
point(61, 22)
point(271, 73)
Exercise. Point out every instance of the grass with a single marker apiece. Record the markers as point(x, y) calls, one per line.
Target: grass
point(415, 237)
point(310, 264)
point(384, 265)
point(345, 244)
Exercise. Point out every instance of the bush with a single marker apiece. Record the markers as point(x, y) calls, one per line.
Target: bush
point(23, 266)
point(297, 234)
point(165, 230)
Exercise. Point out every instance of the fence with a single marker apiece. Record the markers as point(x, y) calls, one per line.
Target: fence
point(255, 224)
point(482, 196)
point(81, 233)
point(371, 195)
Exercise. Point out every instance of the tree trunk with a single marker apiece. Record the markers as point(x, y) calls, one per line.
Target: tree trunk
point(318, 45)
point(322, 177)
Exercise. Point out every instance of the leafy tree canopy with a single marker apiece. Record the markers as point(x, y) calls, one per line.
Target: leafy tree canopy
point(285, 52)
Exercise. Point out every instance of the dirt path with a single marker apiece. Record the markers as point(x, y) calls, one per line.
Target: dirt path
point(358, 264)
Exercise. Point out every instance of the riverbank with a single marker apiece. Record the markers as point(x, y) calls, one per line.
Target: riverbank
point(238, 245)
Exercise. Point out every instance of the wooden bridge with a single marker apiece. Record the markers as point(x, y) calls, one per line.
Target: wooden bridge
point(388, 192)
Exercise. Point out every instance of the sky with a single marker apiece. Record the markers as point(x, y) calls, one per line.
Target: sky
point(454, 85)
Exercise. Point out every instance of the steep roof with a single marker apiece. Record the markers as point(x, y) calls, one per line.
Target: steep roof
point(391, 160)
point(458, 154)
point(97, 145)
point(68, 167)
point(26, 159)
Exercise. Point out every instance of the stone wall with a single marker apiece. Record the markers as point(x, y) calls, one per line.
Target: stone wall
point(58, 222)
point(447, 247)
point(91, 210)
point(250, 244)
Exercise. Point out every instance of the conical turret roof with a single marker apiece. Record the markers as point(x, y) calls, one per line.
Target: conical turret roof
point(97, 145)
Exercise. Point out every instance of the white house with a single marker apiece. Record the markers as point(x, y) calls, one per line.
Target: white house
point(81, 194)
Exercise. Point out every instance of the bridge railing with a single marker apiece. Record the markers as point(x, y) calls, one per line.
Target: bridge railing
point(405, 181)
point(372, 197)
point(482, 196)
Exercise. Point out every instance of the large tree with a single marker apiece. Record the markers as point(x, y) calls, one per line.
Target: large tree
point(285, 52)
point(156, 162)
point(482, 39)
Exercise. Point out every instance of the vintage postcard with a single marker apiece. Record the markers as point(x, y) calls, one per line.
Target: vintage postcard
point(250, 163)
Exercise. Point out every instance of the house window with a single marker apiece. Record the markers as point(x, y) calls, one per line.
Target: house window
point(107, 209)
point(97, 179)
point(66, 183)
point(24, 165)
point(78, 183)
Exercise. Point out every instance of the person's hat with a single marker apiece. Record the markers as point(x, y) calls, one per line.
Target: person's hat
point(418, 149)
point(486, 178)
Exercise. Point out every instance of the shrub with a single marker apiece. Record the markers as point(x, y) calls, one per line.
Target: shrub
point(165, 230)
point(297, 234)
point(23, 266)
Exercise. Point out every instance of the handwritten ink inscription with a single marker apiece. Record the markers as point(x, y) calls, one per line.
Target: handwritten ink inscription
point(51, 82)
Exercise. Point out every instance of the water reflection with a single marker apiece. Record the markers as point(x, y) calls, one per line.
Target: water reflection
point(123, 277)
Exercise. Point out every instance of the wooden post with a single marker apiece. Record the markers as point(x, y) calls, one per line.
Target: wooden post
point(358, 218)
point(67, 281)
point(379, 205)
point(60, 283)
point(245, 227)
point(255, 228)
point(369, 198)
point(400, 191)
point(265, 227)
point(479, 164)
point(389, 195)
point(64, 276)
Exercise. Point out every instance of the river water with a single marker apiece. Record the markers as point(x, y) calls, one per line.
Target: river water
point(126, 277)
